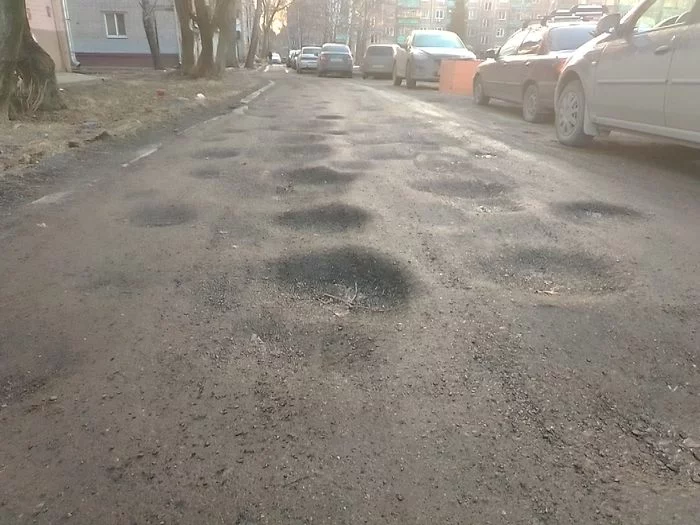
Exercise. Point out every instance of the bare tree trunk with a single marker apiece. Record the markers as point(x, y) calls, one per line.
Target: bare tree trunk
point(12, 14)
point(224, 19)
point(205, 62)
point(184, 16)
point(148, 14)
point(253, 48)
point(37, 70)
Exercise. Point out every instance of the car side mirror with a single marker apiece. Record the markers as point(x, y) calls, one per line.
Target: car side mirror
point(491, 53)
point(608, 24)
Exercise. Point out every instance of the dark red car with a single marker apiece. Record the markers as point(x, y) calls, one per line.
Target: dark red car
point(526, 68)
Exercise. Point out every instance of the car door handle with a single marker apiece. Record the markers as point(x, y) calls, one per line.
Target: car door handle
point(662, 50)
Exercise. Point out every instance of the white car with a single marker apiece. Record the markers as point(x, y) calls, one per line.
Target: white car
point(276, 58)
point(419, 58)
point(642, 74)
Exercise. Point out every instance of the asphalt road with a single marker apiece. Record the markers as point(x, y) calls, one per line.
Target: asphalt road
point(347, 302)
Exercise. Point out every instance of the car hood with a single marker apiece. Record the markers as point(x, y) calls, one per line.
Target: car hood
point(445, 53)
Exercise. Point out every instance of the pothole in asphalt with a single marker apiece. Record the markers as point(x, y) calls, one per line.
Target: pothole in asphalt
point(330, 117)
point(319, 175)
point(305, 150)
point(595, 210)
point(468, 189)
point(301, 138)
point(353, 164)
point(158, 215)
point(553, 271)
point(333, 218)
point(446, 164)
point(207, 173)
point(355, 275)
point(216, 153)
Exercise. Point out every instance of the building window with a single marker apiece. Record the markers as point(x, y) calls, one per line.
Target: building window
point(501, 15)
point(485, 22)
point(115, 25)
point(439, 14)
point(500, 32)
point(487, 6)
point(48, 11)
point(471, 14)
point(471, 31)
point(484, 39)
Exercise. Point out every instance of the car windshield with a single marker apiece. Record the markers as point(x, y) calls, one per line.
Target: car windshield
point(379, 51)
point(569, 38)
point(335, 49)
point(311, 51)
point(442, 39)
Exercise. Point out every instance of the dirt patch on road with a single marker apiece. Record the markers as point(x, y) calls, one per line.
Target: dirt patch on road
point(354, 274)
point(160, 215)
point(553, 271)
point(593, 210)
point(467, 189)
point(333, 218)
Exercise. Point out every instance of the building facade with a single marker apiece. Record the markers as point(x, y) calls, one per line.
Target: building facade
point(48, 25)
point(110, 33)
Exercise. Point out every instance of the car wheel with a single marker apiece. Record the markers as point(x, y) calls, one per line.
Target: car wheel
point(532, 108)
point(364, 76)
point(571, 109)
point(410, 81)
point(480, 98)
point(395, 77)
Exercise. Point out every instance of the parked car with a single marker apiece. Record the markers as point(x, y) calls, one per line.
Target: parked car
point(335, 58)
point(378, 60)
point(276, 58)
point(639, 75)
point(419, 58)
point(308, 59)
point(292, 57)
point(526, 68)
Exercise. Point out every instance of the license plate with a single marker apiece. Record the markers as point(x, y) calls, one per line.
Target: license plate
point(336, 59)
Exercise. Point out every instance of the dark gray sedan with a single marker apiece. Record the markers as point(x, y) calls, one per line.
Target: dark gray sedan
point(378, 60)
point(335, 58)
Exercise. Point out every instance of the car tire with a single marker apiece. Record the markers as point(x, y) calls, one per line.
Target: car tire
point(364, 76)
point(532, 106)
point(395, 77)
point(410, 81)
point(478, 94)
point(570, 114)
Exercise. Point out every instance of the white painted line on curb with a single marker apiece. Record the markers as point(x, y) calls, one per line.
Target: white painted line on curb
point(256, 94)
point(144, 153)
point(52, 198)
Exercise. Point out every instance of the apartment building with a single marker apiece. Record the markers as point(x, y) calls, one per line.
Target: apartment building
point(48, 25)
point(110, 33)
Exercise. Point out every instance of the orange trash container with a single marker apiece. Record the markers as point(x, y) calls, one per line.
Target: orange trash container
point(457, 76)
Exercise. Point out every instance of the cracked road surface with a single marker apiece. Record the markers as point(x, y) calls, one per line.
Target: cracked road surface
point(353, 303)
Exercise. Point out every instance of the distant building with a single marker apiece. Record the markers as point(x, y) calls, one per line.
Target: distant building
point(110, 33)
point(48, 26)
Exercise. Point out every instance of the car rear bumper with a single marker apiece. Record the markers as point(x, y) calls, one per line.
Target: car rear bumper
point(308, 65)
point(335, 68)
